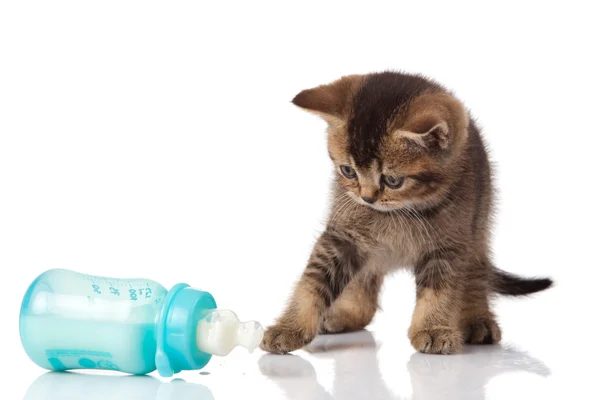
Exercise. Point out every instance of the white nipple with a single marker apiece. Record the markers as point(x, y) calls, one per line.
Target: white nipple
point(221, 331)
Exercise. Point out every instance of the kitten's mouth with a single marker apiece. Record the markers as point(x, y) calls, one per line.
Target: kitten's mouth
point(377, 206)
point(380, 207)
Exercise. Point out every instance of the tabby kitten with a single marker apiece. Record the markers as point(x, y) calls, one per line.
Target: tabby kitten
point(413, 189)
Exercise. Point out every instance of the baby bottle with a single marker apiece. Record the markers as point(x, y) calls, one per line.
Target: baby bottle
point(71, 321)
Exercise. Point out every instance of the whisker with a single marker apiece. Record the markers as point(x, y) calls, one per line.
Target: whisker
point(341, 209)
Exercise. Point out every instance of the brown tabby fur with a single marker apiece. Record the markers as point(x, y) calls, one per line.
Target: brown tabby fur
point(437, 223)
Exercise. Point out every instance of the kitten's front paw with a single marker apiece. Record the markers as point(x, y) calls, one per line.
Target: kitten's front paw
point(281, 339)
point(437, 340)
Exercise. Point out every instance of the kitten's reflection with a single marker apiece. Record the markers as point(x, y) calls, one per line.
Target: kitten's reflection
point(68, 385)
point(357, 373)
point(464, 376)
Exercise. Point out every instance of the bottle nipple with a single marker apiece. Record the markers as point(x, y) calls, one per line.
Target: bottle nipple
point(221, 331)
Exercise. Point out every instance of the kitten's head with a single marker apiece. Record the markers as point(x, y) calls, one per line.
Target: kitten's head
point(394, 138)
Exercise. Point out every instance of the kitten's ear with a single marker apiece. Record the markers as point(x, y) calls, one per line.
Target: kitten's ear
point(438, 134)
point(430, 133)
point(436, 121)
point(333, 101)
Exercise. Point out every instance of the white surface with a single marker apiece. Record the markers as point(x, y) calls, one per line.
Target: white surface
point(156, 140)
point(362, 365)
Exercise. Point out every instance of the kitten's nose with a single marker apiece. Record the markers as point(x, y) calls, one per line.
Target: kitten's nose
point(368, 199)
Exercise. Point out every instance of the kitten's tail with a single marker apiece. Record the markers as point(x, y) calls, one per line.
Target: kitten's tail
point(512, 285)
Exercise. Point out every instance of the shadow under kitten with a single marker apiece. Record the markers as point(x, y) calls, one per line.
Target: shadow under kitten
point(357, 374)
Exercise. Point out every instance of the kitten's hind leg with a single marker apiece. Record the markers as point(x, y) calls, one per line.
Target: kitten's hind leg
point(355, 307)
point(482, 329)
point(478, 323)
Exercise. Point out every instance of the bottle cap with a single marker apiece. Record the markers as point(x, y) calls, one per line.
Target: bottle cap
point(176, 348)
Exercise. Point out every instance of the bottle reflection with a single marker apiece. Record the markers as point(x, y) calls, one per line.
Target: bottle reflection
point(70, 385)
point(357, 374)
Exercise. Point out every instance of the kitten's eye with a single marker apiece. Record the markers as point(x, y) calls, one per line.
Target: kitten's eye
point(348, 172)
point(393, 182)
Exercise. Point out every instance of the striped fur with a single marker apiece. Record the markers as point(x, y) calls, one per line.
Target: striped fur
point(393, 127)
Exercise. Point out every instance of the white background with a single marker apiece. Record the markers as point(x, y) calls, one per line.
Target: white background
point(152, 140)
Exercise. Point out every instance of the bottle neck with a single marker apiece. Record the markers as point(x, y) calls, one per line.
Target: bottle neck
point(177, 325)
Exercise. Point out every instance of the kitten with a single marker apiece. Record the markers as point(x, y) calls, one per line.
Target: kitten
point(413, 189)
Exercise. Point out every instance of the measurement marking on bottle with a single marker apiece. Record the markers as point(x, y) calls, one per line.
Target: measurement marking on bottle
point(76, 353)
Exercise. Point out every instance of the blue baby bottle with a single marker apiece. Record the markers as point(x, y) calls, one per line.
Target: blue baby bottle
point(70, 320)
